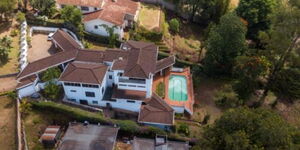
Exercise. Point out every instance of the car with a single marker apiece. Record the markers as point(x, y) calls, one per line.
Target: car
point(50, 36)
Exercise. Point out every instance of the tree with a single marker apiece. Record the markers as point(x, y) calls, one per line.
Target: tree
point(225, 42)
point(111, 34)
point(295, 3)
point(50, 74)
point(227, 98)
point(20, 17)
point(52, 90)
point(72, 16)
point(25, 107)
point(244, 128)
point(174, 25)
point(257, 14)
point(6, 8)
point(45, 7)
point(5, 46)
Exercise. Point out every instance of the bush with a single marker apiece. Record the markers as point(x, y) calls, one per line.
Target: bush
point(52, 91)
point(51, 74)
point(128, 126)
point(160, 89)
point(20, 17)
point(226, 97)
point(184, 128)
point(174, 25)
point(12, 95)
point(140, 33)
point(14, 32)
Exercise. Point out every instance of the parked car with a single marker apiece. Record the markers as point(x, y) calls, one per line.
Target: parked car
point(50, 36)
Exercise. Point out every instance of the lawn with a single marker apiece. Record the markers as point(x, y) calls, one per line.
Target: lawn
point(149, 16)
point(97, 46)
point(8, 119)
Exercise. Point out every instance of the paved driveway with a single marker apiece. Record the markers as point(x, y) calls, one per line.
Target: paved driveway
point(41, 47)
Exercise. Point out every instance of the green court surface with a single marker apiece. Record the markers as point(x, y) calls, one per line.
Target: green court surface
point(178, 88)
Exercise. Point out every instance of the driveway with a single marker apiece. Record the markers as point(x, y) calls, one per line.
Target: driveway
point(41, 47)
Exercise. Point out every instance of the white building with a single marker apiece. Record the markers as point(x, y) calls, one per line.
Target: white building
point(118, 14)
point(118, 78)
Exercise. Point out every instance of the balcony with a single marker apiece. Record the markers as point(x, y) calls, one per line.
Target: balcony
point(122, 80)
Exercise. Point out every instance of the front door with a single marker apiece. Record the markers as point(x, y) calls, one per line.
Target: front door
point(84, 102)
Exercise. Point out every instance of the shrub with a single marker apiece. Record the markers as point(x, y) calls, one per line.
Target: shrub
point(160, 89)
point(25, 107)
point(52, 90)
point(12, 95)
point(14, 32)
point(128, 126)
point(20, 16)
point(183, 128)
point(227, 98)
point(174, 25)
point(140, 33)
point(50, 74)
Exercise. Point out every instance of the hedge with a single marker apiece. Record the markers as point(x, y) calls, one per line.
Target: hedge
point(38, 22)
point(126, 126)
point(98, 38)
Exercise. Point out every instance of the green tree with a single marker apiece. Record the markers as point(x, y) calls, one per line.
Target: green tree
point(25, 107)
point(227, 98)
point(5, 46)
point(257, 14)
point(111, 34)
point(6, 8)
point(295, 3)
point(225, 42)
point(45, 7)
point(72, 17)
point(52, 90)
point(20, 16)
point(50, 74)
point(244, 129)
point(174, 25)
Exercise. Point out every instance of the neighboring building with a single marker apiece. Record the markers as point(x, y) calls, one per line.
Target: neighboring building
point(113, 13)
point(89, 137)
point(118, 78)
point(51, 136)
point(159, 143)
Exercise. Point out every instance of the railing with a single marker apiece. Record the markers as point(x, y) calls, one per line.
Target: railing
point(131, 81)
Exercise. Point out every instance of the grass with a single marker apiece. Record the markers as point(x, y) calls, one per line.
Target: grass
point(149, 16)
point(12, 65)
point(8, 133)
point(97, 46)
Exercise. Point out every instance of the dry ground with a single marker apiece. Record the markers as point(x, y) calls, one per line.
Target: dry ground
point(122, 146)
point(149, 16)
point(7, 124)
point(7, 84)
point(41, 47)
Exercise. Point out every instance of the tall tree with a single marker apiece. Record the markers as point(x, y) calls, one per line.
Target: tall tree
point(244, 129)
point(257, 14)
point(282, 43)
point(5, 46)
point(225, 42)
point(111, 34)
point(6, 8)
point(46, 7)
point(72, 16)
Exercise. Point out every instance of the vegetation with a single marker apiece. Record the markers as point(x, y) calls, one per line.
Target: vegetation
point(45, 7)
point(174, 25)
point(25, 107)
point(51, 74)
point(257, 14)
point(5, 48)
point(225, 42)
point(72, 17)
point(183, 128)
point(20, 16)
point(52, 90)
point(227, 98)
point(244, 128)
point(112, 40)
point(160, 89)
point(6, 9)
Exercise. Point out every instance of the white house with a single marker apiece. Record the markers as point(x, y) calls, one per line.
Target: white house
point(119, 14)
point(118, 78)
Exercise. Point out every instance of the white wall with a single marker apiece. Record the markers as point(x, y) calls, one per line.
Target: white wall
point(90, 27)
point(179, 110)
point(91, 9)
point(26, 91)
point(123, 104)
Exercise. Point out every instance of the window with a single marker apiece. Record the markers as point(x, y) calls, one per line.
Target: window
point(63, 6)
point(110, 76)
point(71, 84)
point(141, 86)
point(95, 8)
point(84, 8)
point(129, 101)
point(90, 86)
point(89, 94)
point(73, 90)
point(96, 26)
point(102, 90)
point(122, 85)
point(131, 85)
point(72, 100)
point(95, 102)
point(120, 74)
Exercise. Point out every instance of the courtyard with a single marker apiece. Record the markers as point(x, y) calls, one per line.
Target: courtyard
point(40, 47)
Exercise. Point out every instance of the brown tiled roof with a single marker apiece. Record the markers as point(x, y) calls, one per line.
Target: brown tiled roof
point(128, 94)
point(113, 54)
point(143, 57)
point(45, 63)
point(91, 3)
point(50, 133)
point(164, 63)
point(65, 41)
point(114, 12)
point(156, 111)
point(26, 81)
point(90, 56)
point(84, 73)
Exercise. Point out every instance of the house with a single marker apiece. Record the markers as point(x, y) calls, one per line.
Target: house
point(89, 137)
point(51, 136)
point(119, 78)
point(159, 143)
point(117, 14)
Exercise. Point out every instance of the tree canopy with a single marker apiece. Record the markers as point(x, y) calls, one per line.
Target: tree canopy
point(6, 8)
point(257, 14)
point(72, 16)
point(244, 129)
point(45, 7)
point(5, 46)
point(225, 42)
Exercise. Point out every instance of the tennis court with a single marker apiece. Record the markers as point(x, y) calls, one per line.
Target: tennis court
point(178, 88)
